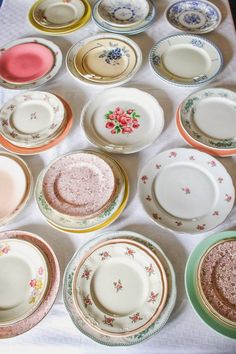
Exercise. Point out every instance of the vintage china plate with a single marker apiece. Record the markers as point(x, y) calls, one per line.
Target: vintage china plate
point(186, 60)
point(58, 13)
point(122, 120)
point(186, 190)
point(49, 144)
point(32, 118)
point(104, 59)
point(216, 280)
point(123, 12)
point(80, 184)
point(131, 29)
point(15, 186)
point(53, 272)
point(197, 17)
point(192, 289)
point(118, 340)
point(23, 280)
point(124, 268)
point(41, 72)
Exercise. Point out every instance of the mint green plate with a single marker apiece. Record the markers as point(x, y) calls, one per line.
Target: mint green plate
point(191, 284)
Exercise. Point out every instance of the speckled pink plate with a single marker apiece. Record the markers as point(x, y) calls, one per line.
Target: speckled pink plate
point(217, 280)
point(80, 184)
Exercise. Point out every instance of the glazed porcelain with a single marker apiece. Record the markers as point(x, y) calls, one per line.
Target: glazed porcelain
point(197, 17)
point(104, 59)
point(31, 119)
point(192, 289)
point(186, 191)
point(186, 60)
point(122, 120)
point(108, 340)
point(44, 60)
point(50, 293)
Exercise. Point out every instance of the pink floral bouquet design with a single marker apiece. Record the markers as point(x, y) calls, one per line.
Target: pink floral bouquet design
point(122, 121)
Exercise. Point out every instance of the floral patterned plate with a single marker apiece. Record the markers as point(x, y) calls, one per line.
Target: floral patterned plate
point(186, 190)
point(186, 60)
point(197, 17)
point(42, 80)
point(24, 277)
point(122, 120)
point(40, 309)
point(104, 59)
point(69, 279)
point(31, 119)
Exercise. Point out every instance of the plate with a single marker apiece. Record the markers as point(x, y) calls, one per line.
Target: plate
point(132, 339)
point(104, 59)
point(186, 190)
point(51, 143)
point(192, 287)
point(134, 29)
point(23, 325)
point(15, 186)
point(123, 12)
point(31, 118)
point(58, 13)
point(186, 60)
point(122, 120)
point(194, 16)
point(80, 184)
point(20, 292)
point(44, 60)
point(124, 268)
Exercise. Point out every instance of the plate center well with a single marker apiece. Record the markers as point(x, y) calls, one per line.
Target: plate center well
point(60, 13)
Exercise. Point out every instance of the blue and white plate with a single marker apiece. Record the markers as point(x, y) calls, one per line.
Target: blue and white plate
point(194, 16)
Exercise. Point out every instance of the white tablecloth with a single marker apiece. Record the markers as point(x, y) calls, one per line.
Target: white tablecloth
point(184, 333)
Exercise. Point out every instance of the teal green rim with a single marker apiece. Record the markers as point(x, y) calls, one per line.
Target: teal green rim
point(191, 285)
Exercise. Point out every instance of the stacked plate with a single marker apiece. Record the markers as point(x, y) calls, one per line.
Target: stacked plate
point(207, 120)
point(28, 63)
point(103, 279)
point(15, 186)
point(124, 16)
point(210, 282)
point(26, 295)
point(57, 17)
point(82, 191)
point(104, 59)
point(34, 122)
point(186, 191)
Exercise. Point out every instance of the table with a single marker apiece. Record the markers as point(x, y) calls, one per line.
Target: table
point(184, 333)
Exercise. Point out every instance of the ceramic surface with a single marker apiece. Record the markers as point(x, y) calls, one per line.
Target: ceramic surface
point(186, 60)
point(133, 339)
point(122, 120)
point(186, 191)
point(197, 17)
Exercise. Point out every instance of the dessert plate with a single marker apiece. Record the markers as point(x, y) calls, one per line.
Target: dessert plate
point(58, 13)
point(31, 118)
point(43, 59)
point(186, 60)
point(197, 17)
point(186, 190)
point(21, 291)
point(50, 293)
point(104, 59)
point(108, 340)
point(123, 12)
point(122, 120)
point(192, 287)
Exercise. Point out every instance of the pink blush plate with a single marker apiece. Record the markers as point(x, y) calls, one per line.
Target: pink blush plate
point(26, 62)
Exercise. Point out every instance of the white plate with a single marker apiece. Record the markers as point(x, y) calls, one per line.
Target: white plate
point(186, 60)
point(122, 120)
point(23, 279)
point(186, 190)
